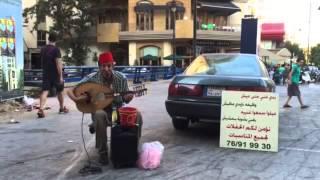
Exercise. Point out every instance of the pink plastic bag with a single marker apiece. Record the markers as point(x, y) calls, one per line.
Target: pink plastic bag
point(150, 155)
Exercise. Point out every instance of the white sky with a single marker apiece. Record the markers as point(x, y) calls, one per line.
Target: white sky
point(295, 15)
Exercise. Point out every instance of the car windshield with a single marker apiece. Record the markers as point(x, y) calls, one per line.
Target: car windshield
point(225, 64)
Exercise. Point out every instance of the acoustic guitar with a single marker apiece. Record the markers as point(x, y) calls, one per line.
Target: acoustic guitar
point(101, 96)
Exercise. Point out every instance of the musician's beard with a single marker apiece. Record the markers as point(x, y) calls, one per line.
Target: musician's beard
point(107, 77)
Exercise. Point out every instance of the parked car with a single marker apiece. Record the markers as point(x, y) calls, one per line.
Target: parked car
point(195, 95)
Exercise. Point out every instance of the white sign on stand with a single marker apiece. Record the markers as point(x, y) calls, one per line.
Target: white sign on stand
point(249, 120)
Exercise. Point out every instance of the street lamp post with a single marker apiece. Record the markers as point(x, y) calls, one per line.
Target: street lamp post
point(194, 41)
point(309, 25)
point(174, 9)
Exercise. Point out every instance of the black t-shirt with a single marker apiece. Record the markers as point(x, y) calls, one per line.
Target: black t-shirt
point(49, 55)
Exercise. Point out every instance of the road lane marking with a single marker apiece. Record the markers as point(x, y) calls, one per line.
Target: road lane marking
point(299, 149)
point(291, 127)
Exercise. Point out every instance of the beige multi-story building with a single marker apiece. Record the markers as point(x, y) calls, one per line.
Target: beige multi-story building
point(32, 40)
point(146, 28)
point(140, 32)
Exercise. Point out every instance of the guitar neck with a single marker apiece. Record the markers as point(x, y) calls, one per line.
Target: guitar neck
point(137, 93)
point(138, 90)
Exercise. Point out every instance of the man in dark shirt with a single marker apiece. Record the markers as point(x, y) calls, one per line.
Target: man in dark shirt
point(52, 74)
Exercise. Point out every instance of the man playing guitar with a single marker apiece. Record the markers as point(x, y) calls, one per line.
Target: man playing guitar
point(102, 118)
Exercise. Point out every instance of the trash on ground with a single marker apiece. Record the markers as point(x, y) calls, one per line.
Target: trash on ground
point(150, 155)
point(28, 101)
point(13, 121)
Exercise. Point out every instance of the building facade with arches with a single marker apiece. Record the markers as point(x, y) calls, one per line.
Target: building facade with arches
point(147, 31)
point(140, 32)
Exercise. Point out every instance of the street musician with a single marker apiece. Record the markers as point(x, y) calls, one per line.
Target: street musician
point(115, 81)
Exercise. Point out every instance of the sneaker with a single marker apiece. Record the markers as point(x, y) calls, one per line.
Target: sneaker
point(64, 110)
point(304, 106)
point(92, 130)
point(41, 113)
point(287, 106)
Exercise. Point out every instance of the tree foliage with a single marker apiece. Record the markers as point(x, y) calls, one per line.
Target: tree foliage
point(315, 55)
point(72, 20)
point(295, 50)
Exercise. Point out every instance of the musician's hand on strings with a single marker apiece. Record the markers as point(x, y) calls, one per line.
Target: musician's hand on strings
point(127, 97)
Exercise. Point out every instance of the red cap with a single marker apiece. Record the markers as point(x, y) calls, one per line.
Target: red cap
point(105, 57)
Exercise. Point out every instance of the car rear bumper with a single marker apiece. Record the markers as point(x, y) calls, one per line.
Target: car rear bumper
point(210, 111)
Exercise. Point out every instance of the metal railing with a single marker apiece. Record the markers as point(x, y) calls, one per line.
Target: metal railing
point(138, 74)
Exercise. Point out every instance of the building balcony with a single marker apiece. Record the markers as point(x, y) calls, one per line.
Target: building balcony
point(108, 32)
point(227, 33)
point(167, 35)
point(145, 35)
point(184, 30)
point(111, 32)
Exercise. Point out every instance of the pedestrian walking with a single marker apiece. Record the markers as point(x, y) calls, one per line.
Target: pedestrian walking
point(281, 70)
point(286, 73)
point(277, 76)
point(52, 74)
point(271, 73)
point(293, 84)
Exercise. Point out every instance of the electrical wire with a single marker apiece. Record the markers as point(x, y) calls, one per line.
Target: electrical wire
point(89, 168)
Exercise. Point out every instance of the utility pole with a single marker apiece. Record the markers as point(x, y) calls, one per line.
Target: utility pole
point(174, 9)
point(309, 26)
point(194, 41)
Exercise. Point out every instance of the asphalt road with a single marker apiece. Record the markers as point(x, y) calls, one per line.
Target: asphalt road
point(51, 148)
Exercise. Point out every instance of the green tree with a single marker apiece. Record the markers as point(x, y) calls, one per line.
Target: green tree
point(95, 57)
point(72, 20)
point(315, 55)
point(295, 50)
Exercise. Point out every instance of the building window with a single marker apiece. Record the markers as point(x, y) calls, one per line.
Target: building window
point(144, 16)
point(41, 38)
point(150, 55)
point(110, 16)
point(217, 21)
point(169, 14)
point(114, 16)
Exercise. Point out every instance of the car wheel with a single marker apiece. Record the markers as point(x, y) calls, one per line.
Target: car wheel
point(179, 123)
